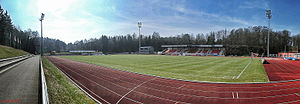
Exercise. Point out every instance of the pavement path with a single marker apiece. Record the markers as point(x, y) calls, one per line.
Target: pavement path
point(20, 84)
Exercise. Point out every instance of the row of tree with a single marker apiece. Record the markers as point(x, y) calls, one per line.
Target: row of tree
point(237, 41)
point(14, 37)
point(54, 45)
point(27, 40)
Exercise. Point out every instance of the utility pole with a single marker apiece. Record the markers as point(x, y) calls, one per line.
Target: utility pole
point(139, 25)
point(268, 14)
point(42, 42)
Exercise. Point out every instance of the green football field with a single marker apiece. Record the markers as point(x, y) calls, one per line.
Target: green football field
point(195, 68)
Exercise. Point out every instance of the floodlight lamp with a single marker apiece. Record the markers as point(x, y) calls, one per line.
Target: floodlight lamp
point(268, 14)
point(139, 24)
point(42, 17)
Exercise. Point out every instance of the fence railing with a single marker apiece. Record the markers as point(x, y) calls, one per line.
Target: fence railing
point(45, 99)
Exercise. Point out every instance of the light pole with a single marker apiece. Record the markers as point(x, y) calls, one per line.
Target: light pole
point(139, 25)
point(268, 14)
point(42, 42)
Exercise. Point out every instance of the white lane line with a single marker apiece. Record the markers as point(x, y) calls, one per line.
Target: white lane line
point(74, 82)
point(98, 84)
point(237, 94)
point(278, 67)
point(284, 67)
point(214, 97)
point(222, 92)
point(134, 89)
point(181, 86)
point(243, 70)
point(233, 95)
point(297, 94)
point(68, 76)
point(213, 86)
point(289, 102)
point(125, 88)
point(283, 95)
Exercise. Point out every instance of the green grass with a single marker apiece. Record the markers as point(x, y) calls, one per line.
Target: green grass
point(216, 69)
point(60, 89)
point(6, 52)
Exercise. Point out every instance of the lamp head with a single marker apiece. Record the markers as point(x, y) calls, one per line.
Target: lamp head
point(42, 17)
point(268, 13)
point(139, 24)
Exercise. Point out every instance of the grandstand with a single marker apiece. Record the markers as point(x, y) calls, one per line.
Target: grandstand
point(82, 52)
point(289, 56)
point(194, 50)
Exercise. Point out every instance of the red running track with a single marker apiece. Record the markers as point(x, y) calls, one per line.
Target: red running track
point(111, 86)
point(281, 70)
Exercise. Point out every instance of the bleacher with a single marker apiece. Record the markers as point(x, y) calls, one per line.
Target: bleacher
point(204, 53)
point(215, 52)
point(171, 51)
point(194, 50)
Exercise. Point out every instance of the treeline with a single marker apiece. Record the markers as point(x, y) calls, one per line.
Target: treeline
point(15, 37)
point(27, 40)
point(54, 45)
point(237, 41)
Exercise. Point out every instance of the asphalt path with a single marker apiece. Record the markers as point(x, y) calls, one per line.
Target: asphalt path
point(20, 83)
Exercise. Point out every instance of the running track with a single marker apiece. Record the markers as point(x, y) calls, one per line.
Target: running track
point(111, 86)
point(279, 69)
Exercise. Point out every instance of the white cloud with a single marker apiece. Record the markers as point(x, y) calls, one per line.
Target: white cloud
point(260, 4)
point(61, 22)
point(212, 16)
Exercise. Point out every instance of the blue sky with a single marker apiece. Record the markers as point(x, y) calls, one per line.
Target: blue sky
point(71, 20)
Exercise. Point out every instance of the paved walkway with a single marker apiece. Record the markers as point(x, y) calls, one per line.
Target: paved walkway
point(20, 84)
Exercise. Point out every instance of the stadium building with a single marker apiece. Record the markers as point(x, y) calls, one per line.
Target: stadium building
point(194, 50)
point(146, 50)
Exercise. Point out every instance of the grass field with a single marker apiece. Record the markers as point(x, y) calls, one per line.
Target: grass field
point(60, 89)
point(216, 69)
point(6, 52)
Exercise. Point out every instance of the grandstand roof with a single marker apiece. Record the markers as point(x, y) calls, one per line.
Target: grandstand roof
point(147, 47)
point(82, 51)
point(183, 46)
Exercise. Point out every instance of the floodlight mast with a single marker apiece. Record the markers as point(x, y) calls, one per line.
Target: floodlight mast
point(268, 14)
point(42, 42)
point(140, 26)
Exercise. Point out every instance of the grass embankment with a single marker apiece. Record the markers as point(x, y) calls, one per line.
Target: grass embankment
point(216, 69)
point(6, 52)
point(60, 89)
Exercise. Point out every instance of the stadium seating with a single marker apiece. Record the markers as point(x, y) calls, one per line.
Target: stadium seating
point(194, 52)
point(171, 51)
point(215, 52)
point(205, 52)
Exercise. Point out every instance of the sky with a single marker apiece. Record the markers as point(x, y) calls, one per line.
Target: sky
point(71, 20)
